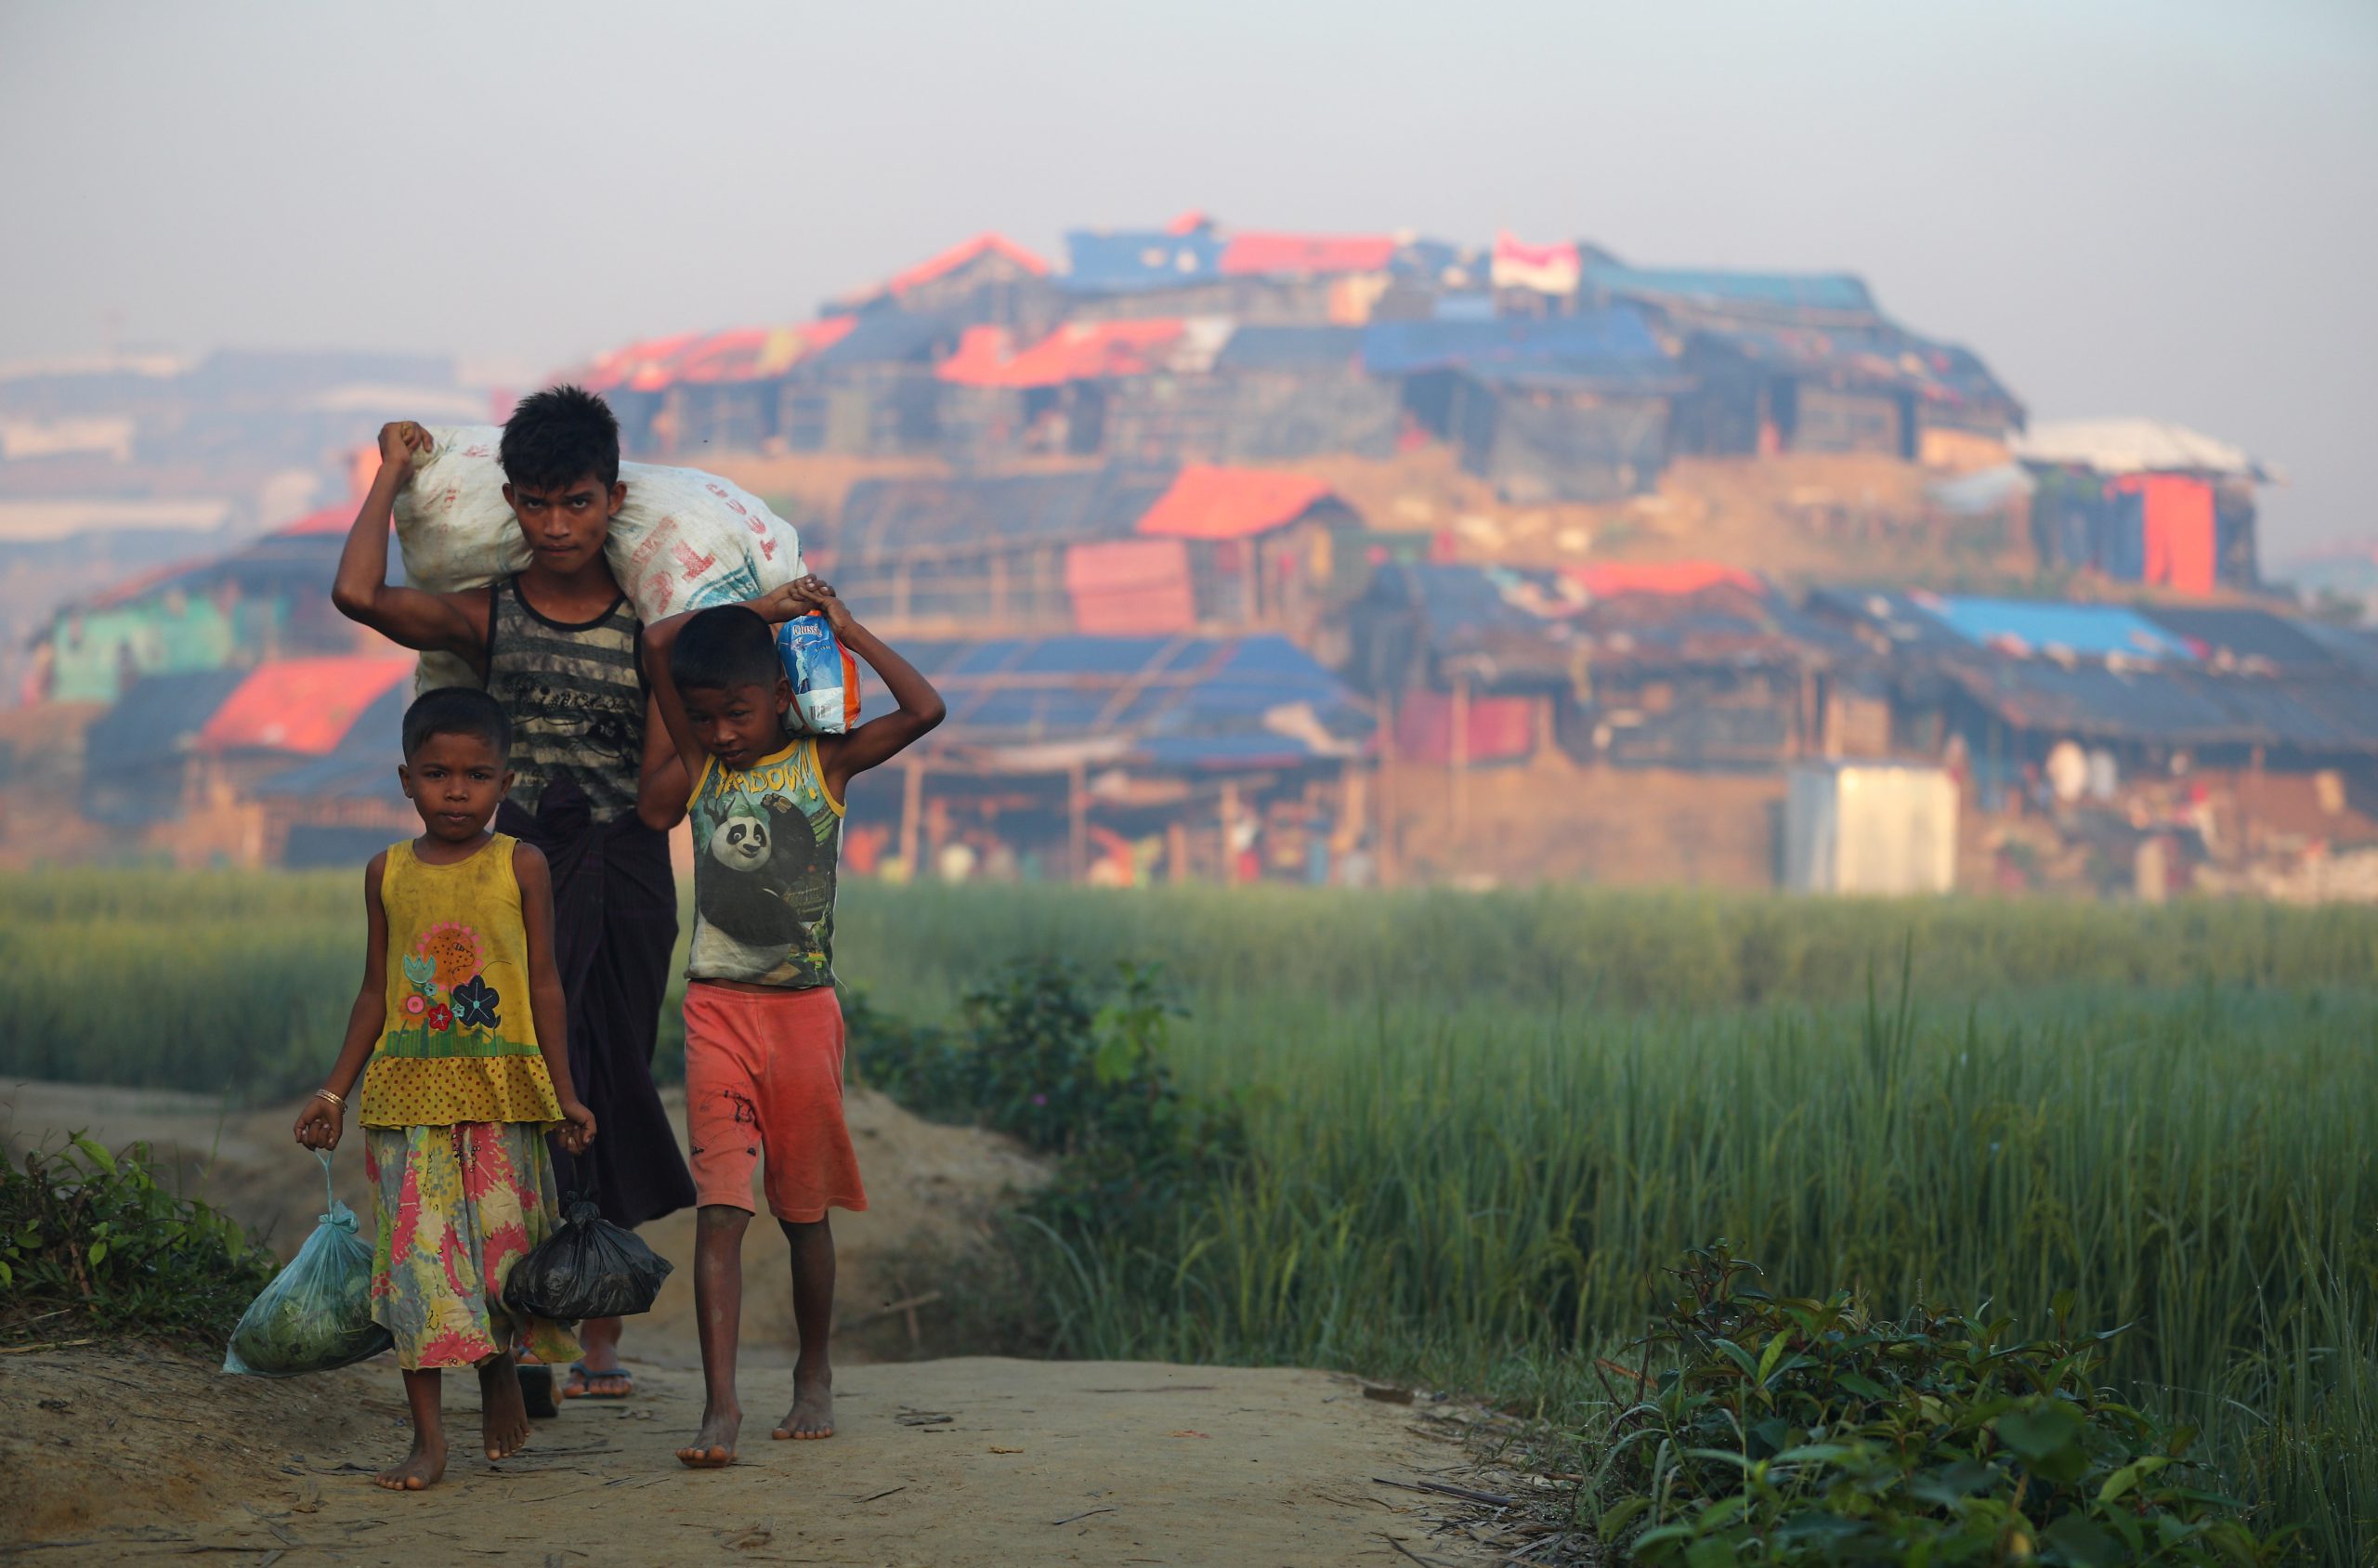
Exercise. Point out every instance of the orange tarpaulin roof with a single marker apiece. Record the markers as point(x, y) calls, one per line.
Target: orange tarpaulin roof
point(1661, 577)
point(1212, 502)
point(302, 705)
point(959, 255)
point(623, 365)
point(1076, 351)
point(1307, 252)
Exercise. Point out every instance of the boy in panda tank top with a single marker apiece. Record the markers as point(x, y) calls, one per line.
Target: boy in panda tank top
point(764, 1031)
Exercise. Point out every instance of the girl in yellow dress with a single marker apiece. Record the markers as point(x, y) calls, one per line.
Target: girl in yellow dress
point(459, 1038)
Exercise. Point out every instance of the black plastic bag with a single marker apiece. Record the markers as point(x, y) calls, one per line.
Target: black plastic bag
point(589, 1268)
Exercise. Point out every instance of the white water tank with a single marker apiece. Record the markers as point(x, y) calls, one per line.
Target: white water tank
point(1870, 828)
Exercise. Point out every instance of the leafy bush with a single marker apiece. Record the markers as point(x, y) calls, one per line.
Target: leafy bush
point(91, 1236)
point(1072, 1068)
point(1803, 1432)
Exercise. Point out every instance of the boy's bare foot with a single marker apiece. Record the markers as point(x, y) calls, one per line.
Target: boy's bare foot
point(423, 1468)
point(713, 1446)
point(812, 1415)
point(504, 1415)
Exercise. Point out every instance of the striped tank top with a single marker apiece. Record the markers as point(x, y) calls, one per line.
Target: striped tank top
point(576, 694)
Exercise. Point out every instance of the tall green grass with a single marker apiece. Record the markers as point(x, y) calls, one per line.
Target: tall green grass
point(1481, 1125)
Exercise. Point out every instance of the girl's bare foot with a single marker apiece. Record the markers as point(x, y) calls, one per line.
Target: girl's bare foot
point(812, 1415)
point(713, 1446)
point(423, 1468)
point(504, 1415)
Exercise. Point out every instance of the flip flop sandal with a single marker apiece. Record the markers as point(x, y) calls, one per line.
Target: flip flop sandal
point(586, 1379)
point(537, 1391)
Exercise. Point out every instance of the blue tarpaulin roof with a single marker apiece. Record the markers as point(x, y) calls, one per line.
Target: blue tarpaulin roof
point(1613, 343)
point(1952, 623)
point(1799, 291)
point(2090, 630)
point(1175, 702)
point(1128, 261)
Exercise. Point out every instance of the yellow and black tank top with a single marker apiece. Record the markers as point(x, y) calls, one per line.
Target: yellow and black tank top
point(459, 1043)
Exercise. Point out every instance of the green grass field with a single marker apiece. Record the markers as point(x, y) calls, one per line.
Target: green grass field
point(1483, 1124)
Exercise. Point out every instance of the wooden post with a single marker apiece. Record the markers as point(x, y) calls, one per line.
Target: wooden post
point(1078, 821)
point(1460, 749)
point(2248, 799)
point(912, 796)
point(1229, 825)
point(1176, 852)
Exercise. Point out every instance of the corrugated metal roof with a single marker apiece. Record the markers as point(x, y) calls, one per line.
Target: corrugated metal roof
point(1291, 348)
point(2179, 705)
point(884, 518)
point(1512, 629)
point(157, 718)
point(2244, 636)
point(1880, 358)
point(2132, 446)
point(879, 337)
point(1182, 702)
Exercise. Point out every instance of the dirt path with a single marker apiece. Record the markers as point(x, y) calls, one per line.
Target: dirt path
point(114, 1456)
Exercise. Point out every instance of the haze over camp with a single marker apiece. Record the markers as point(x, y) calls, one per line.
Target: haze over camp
point(1189, 785)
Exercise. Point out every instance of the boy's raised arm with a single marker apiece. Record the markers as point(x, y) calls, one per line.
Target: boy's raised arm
point(881, 739)
point(660, 641)
point(430, 622)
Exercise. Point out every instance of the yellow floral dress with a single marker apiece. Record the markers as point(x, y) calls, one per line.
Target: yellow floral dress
point(454, 1107)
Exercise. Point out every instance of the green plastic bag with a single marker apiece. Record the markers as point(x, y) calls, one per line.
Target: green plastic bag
point(317, 1312)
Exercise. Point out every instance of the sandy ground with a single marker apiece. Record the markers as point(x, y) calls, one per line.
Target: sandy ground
point(114, 1454)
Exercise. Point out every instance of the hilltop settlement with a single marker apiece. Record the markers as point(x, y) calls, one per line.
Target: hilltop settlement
point(1247, 555)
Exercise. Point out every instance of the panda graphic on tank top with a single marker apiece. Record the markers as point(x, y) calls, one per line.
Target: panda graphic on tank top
point(766, 841)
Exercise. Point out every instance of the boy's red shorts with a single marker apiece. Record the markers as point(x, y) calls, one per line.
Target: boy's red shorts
point(764, 1077)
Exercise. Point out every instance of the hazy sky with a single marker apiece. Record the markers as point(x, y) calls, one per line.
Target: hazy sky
point(2162, 207)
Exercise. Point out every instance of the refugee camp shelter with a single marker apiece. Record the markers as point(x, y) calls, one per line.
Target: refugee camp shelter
point(1105, 550)
point(2021, 688)
point(265, 600)
point(1571, 409)
point(182, 760)
point(345, 805)
point(1690, 665)
point(1125, 758)
point(2143, 500)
